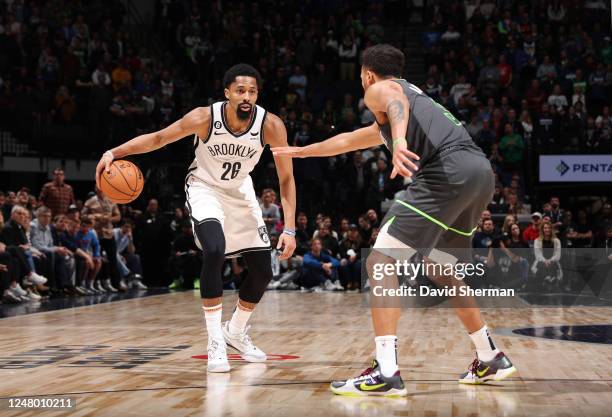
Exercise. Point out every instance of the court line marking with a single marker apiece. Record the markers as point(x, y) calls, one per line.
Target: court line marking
point(264, 384)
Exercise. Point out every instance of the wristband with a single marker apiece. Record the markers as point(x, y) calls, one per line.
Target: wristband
point(110, 153)
point(397, 140)
point(289, 232)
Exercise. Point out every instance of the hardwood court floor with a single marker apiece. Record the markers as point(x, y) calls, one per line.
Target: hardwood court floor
point(134, 358)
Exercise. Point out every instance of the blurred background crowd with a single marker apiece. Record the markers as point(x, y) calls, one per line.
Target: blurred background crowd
point(78, 77)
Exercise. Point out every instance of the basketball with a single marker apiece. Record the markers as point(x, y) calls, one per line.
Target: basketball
point(123, 183)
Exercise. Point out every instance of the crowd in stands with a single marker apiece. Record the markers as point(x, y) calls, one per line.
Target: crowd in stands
point(57, 245)
point(523, 77)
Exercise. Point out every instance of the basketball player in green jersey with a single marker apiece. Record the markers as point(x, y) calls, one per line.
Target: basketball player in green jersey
point(435, 217)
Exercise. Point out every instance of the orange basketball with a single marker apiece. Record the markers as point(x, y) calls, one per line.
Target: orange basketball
point(123, 184)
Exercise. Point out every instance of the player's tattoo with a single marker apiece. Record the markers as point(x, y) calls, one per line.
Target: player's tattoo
point(395, 110)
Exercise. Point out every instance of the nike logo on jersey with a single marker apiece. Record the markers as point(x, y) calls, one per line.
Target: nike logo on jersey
point(254, 133)
point(219, 133)
point(232, 149)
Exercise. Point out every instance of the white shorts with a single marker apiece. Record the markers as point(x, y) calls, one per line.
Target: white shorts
point(237, 209)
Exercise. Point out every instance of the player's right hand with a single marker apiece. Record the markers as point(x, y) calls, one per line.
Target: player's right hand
point(404, 162)
point(103, 165)
point(292, 151)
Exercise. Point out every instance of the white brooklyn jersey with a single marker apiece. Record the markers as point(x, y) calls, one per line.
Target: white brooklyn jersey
point(224, 159)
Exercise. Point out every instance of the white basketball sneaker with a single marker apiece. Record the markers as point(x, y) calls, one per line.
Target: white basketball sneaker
point(217, 356)
point(243, 344)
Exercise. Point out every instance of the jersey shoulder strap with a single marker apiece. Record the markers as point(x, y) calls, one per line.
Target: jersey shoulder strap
point(210, 127)
point(258, 124)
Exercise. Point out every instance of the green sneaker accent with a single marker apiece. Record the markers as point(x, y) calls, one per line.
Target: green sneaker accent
point(176, 285)
point(436, 221)
point(196, 284)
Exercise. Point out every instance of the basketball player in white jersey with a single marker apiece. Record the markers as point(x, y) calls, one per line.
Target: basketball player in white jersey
point(229, 138)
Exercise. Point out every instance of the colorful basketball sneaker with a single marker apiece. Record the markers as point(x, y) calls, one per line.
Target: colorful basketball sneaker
point(371, 382)
point(497, 369)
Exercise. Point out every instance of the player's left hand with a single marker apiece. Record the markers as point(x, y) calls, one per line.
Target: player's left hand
point(288, 244)
point(404, 162)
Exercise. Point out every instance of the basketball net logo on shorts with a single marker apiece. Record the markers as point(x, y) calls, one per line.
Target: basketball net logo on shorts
point(263, 234)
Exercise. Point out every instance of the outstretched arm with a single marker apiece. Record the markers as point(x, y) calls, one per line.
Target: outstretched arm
point(275, 134)
point(363, 138)
point(196, 121)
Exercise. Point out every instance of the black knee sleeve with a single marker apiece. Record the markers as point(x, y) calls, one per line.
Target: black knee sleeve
point(211, 238)
point(259, 264)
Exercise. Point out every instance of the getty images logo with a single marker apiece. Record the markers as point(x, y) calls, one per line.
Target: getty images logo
point(562, 168)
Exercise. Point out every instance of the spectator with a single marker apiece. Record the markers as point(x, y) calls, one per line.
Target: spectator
point(59, 259)
point(285, 273)
point(11, 275)
point(270, 211)
point(372, 216)
point(100, 76)
point(302, 234)
point(179, 217)
point(14, 236)
point(365, 228)
point(320, 270)
point(489, 79)
point(580, 234)
point(557, 99)
point(555, 213)
point(350, 258)
point(526, 124)
point(154, 240)
point(8, 203)
point(357, 178)
point(347, 52)
point(106, 213)
point(186, 261)
point(121, 77)
point(546, 128)
point(515, 250)
point(381, 187)
point(57, 195)
point(547, 252)
point(532, 232)
point(128, 261)
point(511, 147)
point(88, 250)
point(328, 240)
point(484, 242)
point(298, 82)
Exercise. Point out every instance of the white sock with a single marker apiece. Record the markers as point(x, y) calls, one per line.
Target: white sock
point(239, 319)
point(386, 354)
point(485, 348)
point(212, 315)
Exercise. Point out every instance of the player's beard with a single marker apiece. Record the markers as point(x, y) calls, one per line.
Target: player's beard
point(244, 114)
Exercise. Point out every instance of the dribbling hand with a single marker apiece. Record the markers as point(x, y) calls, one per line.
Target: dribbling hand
point(103, 165)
